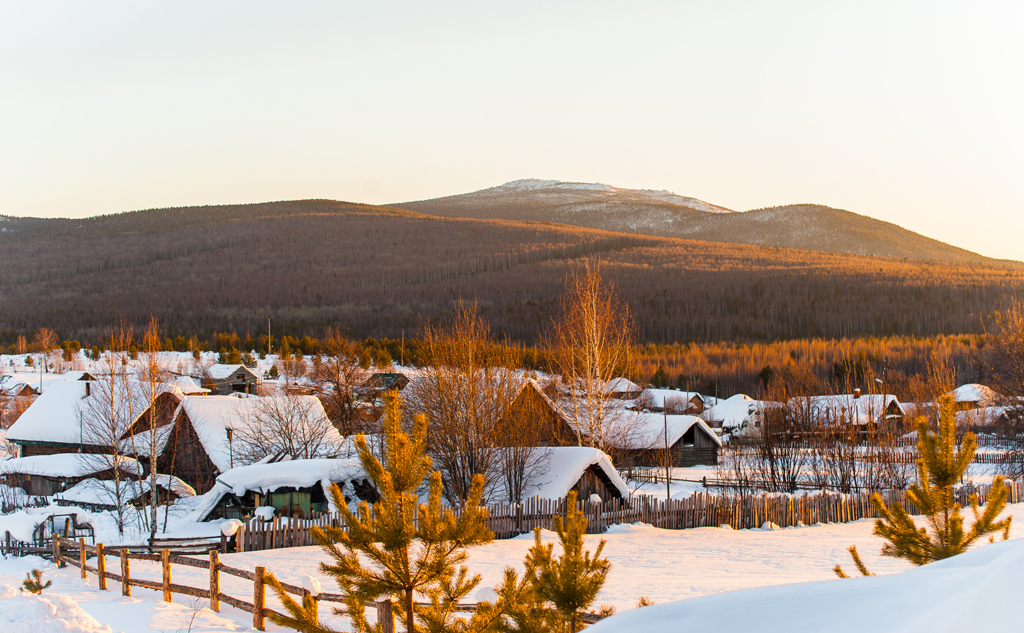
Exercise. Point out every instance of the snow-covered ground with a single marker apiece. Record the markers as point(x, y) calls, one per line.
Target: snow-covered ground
point(663, 565)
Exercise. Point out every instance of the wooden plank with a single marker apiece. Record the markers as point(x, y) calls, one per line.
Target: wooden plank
point(82, 554)
point(147, 584)
point(234, 571)
point(189, 562)
point(235, 602)
point(189, 591)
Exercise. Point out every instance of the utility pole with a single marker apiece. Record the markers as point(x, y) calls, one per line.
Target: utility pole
point(268, 337)
point(668, 458)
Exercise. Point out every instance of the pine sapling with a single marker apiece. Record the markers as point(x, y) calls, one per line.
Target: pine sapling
point(939, 468)
point(33, 582)
point(571, 581)
point(398, 548)
point(861, 567)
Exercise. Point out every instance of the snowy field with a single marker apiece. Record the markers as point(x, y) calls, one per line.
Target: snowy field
point(663, 565)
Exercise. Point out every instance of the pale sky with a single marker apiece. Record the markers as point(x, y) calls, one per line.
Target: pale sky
point(908, 112)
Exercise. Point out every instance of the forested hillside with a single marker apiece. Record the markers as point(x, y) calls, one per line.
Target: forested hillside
point(662, 213)
point(379, 272)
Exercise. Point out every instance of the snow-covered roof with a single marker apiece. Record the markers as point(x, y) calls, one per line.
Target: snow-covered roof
point(657, 397)
point(188, 385)
point(735, 411)
point(12, 386)
point(644, 430)
point(974, 393)
point(849, 408)
point(66, 465)
point(264, 478)
point(563, 467)
point(983, 416)
point(218, 371)
point(57, 415)
point(622, 385)
point(103, 492)
point(211, 416)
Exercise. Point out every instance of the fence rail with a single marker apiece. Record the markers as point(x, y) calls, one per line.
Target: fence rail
point(77, 554)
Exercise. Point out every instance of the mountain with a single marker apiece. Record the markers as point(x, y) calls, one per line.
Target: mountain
point(380, 271)
point(663, 213)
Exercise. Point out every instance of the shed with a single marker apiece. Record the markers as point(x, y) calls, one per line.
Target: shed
point(295, 488)
point(588, 471)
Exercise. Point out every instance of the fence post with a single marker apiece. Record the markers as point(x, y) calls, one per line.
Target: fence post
point(258, 596)
point(214, 580)
point(126, 585)
point(81, 557)
point(101, 566)
point(316, 604)
point(385, 617)
point(56, 551)
point(240, 539)
point(165, 564)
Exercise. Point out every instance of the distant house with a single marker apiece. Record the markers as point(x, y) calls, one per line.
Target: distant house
point(736, 413)
point(973, 396)
point(59, 420)
point(224, 380)
point(385, 381)
point(14, 388)
point(679, 402)
point(199, 444)
point(623, 389)
point(861, 411)
point(534, 408)
point(587, 471)
point(98, 495)
point(45, 475)
point(642, 441)
point(296, 488)
point(187, 385)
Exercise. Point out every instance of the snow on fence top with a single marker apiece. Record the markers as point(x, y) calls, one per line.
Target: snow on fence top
point(66, 465)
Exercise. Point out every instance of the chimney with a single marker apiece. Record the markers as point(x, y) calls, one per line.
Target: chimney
point(87, 389)
point(856, 393)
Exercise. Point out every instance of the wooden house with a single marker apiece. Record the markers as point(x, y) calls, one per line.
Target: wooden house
point(224, 380)
point(296, 488)
point(70, 415)
point(548, 425)
point(643, 441)
point(973, 396)
point(672, 400)
point(585, 470)
point(45, 475)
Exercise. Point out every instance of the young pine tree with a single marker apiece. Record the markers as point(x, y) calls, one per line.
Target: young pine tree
point(33, 582)
point(939, 468)
point(571, 581)
point(398, 547)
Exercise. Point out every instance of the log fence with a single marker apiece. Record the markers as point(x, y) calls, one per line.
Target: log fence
point(65, 553)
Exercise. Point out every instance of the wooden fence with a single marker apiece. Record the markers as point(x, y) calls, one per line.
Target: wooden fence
point(698, 510)
point(78, 553)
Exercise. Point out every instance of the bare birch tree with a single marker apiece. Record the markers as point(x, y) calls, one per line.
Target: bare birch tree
point(591, 343)
point(465, 391)
point(111, 405)
point(283, 425)
point(1003, 360)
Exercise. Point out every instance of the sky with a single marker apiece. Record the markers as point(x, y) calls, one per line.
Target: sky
point(909, 112)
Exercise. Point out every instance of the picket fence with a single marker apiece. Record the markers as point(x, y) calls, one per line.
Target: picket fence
point(698, 510)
